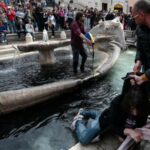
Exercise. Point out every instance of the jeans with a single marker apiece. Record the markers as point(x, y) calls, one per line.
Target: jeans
point(76, 51)
point(53, 30)
point(86, 131)
point(12, 26)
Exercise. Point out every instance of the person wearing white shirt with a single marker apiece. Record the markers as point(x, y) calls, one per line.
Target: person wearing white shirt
point(51, 23)
point(29, 28)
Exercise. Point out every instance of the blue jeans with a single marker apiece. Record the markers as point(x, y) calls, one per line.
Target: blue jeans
point(86, 131)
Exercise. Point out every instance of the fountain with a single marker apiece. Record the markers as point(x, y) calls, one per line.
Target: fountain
point(107, 51)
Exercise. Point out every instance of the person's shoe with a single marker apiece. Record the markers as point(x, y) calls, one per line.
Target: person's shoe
point(75, 71)
point(82, 69)
point(52, 37)
point(80, 111)
point(76, 118)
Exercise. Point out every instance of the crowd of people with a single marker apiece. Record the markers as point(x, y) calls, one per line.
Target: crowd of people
point(15, 17)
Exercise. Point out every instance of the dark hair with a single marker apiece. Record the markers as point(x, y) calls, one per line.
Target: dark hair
point(79, 15)
point(127, 83)
point(136, 97)
point(142, 5)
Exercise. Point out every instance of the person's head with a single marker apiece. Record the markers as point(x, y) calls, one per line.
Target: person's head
point(128, 81)
point(135, 101)
point(80, 17)
point(29, 21)
point(141, 12)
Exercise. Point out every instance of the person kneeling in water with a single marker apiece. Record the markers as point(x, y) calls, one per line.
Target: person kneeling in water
point(127, 111)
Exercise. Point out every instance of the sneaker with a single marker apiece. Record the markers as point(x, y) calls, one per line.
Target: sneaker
point(75, 71)
point(76, 118)
point(73, 125)
point(82, 69)
point(80, 111)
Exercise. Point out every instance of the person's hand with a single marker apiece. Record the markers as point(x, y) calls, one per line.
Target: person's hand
point(136, 80)
point(137, 66)
point(88, 42)
point(136, 135)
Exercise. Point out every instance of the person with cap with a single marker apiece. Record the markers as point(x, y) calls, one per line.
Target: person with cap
point(77, 39)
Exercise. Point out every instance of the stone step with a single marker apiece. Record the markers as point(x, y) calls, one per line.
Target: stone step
point(38, 36)
point(2, 47)
point(7, 51)
point(6, 56)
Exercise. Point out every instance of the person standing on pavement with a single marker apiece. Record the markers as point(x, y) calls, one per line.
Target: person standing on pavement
point(141, 15)
point(77, 38)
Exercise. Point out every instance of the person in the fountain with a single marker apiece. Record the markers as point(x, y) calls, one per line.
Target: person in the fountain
point(77, 38)
point(127, 111)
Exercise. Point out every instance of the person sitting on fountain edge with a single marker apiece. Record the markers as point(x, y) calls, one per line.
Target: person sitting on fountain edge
point(77, 38)
point(127, 111)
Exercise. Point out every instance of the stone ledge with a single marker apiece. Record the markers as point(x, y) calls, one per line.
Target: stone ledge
point(38, 36)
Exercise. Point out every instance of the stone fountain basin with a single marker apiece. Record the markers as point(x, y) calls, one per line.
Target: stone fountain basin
point(106, 51)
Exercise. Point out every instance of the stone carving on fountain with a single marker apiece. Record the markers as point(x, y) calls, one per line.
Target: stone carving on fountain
point(108, 43)
point(46, 49)
point(111, 30)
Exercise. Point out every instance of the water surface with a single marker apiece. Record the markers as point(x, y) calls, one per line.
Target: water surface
point(46, 126)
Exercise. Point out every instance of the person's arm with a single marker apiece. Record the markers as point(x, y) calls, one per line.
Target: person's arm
point(26, 27)
point(138, 57)
point(85, 39)
point(136, 135)
point(140, 79)
point(32, 28)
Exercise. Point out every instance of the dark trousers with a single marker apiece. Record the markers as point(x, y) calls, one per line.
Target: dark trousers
point(53, 30)
point(76, 51)
point(21, 32)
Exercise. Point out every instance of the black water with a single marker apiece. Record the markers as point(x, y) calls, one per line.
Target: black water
point(46, 126)
point(27, 72)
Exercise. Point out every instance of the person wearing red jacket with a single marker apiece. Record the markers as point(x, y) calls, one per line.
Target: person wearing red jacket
point(11, 19)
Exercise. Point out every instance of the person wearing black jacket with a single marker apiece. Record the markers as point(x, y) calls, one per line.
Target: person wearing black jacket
point(127, 111)
point(20, 26)
point(141, 15)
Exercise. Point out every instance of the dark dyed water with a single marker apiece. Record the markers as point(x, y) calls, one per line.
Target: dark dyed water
point(27, 72)
point(46, 126)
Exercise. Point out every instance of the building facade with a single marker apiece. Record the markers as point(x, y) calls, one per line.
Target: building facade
point(107, 5)
point(131, 3)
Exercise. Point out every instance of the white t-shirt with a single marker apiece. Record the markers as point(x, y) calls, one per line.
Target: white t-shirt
point(29, 28)
point(52, 19)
